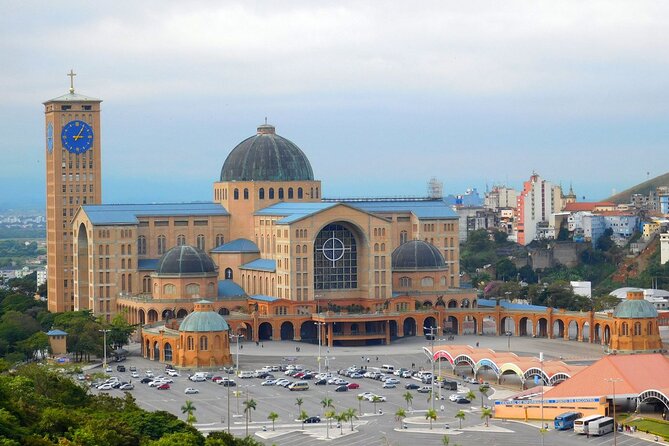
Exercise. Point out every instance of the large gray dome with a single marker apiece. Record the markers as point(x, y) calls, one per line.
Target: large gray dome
point(266, 157)
point(635, 309)
point(417, 255)
point(185, 259)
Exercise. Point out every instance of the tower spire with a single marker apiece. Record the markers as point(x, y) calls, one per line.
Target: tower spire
point(71, 74)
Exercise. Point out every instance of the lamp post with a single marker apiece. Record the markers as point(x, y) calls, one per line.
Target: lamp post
point(541, 430)
point(327, 421)
point(228, 391)
point(319, 325)
point(104, 347)
point(508, 340)
point(236, 337)
point(432, 336)
point(613, 382)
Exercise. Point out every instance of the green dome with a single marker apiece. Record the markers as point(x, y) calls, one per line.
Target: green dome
point(635, 309)
point(200, 321)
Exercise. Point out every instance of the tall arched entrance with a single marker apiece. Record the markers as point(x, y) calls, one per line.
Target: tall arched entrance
point(82, 267)
point(308, 332)
point(287, 331)
point(265, 331)
point(451, 325)
point(409, 327)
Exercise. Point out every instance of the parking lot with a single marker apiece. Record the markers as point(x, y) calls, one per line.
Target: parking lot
point(218, 407)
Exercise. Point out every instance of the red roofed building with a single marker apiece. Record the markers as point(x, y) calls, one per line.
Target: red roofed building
point(597, 206)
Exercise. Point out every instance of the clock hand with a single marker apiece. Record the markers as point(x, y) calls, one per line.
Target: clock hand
point(79, 134)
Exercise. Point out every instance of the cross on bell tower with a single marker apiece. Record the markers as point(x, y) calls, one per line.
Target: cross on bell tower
point(71, 74)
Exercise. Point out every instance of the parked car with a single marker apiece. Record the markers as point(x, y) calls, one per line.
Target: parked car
point(411, 386)
point(163, 386)
point(392, 381)
point(145, 380)
point(454, 397)
point(134, 375)
point(424, 389)
point(105, 386)
point(462, 400)
point(109, 369)
point(172, 372)
point(126, 386)
point(378, 398)
point(321, 382)
point(190, 390)
point(389, 385)
point(312, 420)
point(353, 386)
point(341, 388)
point(120, 368)
point(227, 383)
point(133, 368)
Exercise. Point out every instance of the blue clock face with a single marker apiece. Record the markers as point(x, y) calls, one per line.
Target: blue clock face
point(49, 137)
point(77, 137)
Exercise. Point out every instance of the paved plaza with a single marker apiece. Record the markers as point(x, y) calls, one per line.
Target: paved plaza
point(219, 407)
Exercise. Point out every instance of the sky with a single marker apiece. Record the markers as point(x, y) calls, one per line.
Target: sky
point(380, 95)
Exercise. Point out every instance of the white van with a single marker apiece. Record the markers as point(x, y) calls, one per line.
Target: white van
point(385, 368)
point(245, 374)
point(299, 385)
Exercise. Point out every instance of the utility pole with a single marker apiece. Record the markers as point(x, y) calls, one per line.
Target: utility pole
point(613, 382)
point(319, 325)
point(432, 336)
point(236, 337)
point(104, 347)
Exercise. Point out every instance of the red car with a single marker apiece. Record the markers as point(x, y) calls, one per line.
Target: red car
point(163, 387)
point(352, 386)
point(216, 379)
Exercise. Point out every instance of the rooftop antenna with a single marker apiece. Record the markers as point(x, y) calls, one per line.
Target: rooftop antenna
point(265, 120)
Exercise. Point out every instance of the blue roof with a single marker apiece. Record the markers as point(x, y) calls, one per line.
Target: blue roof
point(238, 245)
point(147, 264)
point(265, 298)
point(107, 214)
point(228, 288)
point(423, 209)
point(509, 305)
point(294, 211)
point(56, 332)
point(200, 321)
point(261, 265)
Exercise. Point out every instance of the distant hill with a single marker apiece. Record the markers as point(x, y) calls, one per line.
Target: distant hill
point(641, 188)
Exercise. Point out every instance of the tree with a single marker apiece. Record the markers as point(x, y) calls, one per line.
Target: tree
point(408, 397)
point(505, 270)
point(329, 415)
point(483, 388)
point(177, 439)
point(486, 413)
point(460, 416)
point(400, 415)
point(249, 405)
point(298, 403)
point(303, 416)
point(445, 440)
point(120, 332)
point(188, 408)
point(431, 415)
point(341, 419)
point(272, 417)
point(327, 402)
point(375, 400)
point(351, 415)
point(360, 398)
point(471, 396)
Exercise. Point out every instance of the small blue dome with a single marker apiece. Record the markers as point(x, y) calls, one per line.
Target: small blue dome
point(635, 309)
point(201, 321)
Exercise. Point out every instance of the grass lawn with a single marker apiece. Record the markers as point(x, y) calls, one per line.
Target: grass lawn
point(657, 427)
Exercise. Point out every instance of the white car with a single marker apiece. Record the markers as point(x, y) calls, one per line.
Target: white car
point(134, 375)
point(148, 373)
point(171, 372)
point(389, 385)
point(197, 378)
point(392, 381)
point(268, 382)
point(378, 398)
point(190, 390)
point(454, 397)
point(105, 386)
point(157, 382)
point(109, 369)
point(126, 386)
point(365, 394)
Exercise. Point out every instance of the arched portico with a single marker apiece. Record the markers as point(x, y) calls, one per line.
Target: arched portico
point(409, 325)
point(287, 331)
point(265, 331)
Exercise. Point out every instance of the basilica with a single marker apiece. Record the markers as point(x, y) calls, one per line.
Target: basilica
point(267, 258)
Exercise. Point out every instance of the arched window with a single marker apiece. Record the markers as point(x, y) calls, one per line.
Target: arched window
point(161, 244)
point(383, 246)
point(427, 282)
point(281, 193)
point(192, 289)
point(235, 194)
point(210, 288)
point(246, 194)
point(141, 245)
point(129, 282)
point(200, 242)
point(228, 273)
point(300, 193)
point(170, 289)
point(649, 328)
point(190, 344)
point(376, 247)
point(405, 282)
point(204, 343)
point(261, 193)
point(271, 193)
point(403, 237)
point(637, 328)
point(167, 351)
point(146, 284)
point(625, 330)
point(298, 249)
point(181, 240)
point(335, 258)
point(316, 192)
point(122, 282)
point(290, 193)
point(219, 240)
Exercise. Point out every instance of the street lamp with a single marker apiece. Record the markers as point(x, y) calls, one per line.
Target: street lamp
point(236, 337)
point(104, 347)
point(613, 382)
point(432, 331)
point(319, 325)
point(508, 340)
point(541, 429)
point(327, 421)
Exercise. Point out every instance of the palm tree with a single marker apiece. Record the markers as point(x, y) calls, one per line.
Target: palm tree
point(408, 397)
point(460, 416)
point(483, 388)
point(273, 416)
point(431, 415)
point(298, 403)
point(188, 408)
point(303, 416)
point(445, 440)
point(327, 402)
point(351, 415)
point(329, 415)
point(249, 405)
point(400, 415)
point(360, 398)
point(471, 396)
point(376, 399)
point(341, 418)
point(486, 413)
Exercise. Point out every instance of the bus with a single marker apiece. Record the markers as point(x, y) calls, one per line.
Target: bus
point(565, 421)
point(581, 425)
point(601, 426)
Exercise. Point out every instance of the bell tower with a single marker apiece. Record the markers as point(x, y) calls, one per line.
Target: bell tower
point(73, 171)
